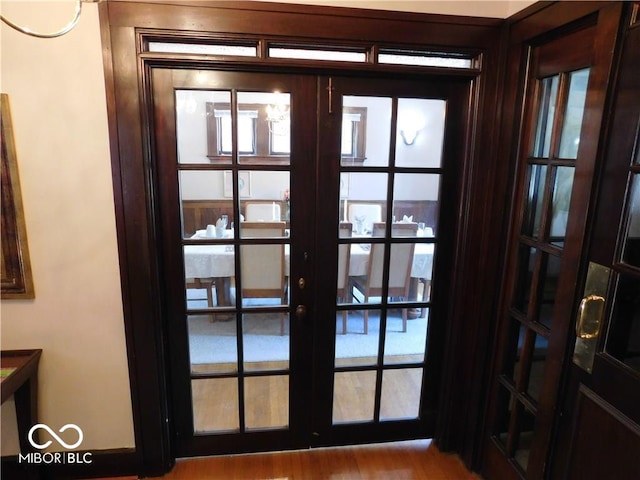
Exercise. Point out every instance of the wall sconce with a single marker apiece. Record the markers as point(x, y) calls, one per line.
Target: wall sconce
point(409, 135)
point(410, 122)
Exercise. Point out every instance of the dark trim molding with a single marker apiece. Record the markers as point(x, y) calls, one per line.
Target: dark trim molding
point(135, 194)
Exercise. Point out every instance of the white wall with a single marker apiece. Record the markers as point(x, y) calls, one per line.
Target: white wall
point(57, 96)
point(56, 90)
point(479, 8)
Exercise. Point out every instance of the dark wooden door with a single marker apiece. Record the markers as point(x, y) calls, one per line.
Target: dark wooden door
point(599, 434)
point(563, 105)
point(305, 241)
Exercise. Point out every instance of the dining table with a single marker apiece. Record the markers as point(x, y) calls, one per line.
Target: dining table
point(217, 261)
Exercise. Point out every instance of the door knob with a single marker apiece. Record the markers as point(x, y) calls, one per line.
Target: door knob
point(301, 311)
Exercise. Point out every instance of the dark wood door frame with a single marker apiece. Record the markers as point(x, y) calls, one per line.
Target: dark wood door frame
point(476, 255)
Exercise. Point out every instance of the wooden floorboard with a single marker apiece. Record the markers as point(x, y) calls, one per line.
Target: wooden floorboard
point(412, 460)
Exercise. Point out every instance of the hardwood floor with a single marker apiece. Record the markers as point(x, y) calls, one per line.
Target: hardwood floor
point(412, 460)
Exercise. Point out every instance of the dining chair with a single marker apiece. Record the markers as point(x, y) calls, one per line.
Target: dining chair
point(364, 215)
point(263, 266)
point(207, 284)
point(344, 258)
point(401, 261)
point(262, 212)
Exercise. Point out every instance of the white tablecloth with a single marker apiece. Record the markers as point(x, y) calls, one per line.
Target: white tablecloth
point(203, 261)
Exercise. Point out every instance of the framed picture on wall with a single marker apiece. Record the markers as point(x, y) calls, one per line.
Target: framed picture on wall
point(244, 184)
point(16, 280)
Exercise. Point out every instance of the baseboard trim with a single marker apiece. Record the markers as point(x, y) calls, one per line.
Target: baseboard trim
point(104, 463)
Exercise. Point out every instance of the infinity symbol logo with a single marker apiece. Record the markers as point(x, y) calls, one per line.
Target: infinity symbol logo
point(54, 435)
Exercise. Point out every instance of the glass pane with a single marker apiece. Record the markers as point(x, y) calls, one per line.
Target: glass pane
point(401, 393)
point(623, 341)
point(344, 293)
point(506, 402)
point(266, 401)
point(353, 345)
point(197, 126)
point(560, 207)
point(264, 128)
point(631, 253)
point(367, 288)
point(215, 405)
point(200, 49)
point(517, 334)
point(315, 53)
point(366, 203)
point(538, 360)
point(405, 347)
point(213, 346)
point(206, 202)
point(264, 268)
point(424, 59)
point(572, 125)
point(416, 199)
point(525, 437)
point(354, 396)
point(366, 143)
point(534, 202)
point(420, 134)
point(549, 274)
point(264, 196)
point(546, 113)
point(265, 348)
point(522, 295)
point(208, 273)
point(246, 130)
point(401, 264)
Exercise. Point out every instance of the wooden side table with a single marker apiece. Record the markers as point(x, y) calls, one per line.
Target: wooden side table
point(19, 377)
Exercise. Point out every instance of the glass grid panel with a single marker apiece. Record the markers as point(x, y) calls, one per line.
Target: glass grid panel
point(215, 405)
point(266, 402)
point(201, 49)
point(549, 274)
point(560, 205)
point(317, 54)
point(522, 295)
point(631, 253)
point(352, 346)
point(424, 60)
point(623, 340)
point(535, 199)
point(525, 435)
point(570, 139)
point(354, 396)
point(546, 114)
point(538, 361)
point(401, 394)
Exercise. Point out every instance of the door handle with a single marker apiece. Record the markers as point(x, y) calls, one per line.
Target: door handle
point(301, 311)
point(590, 316)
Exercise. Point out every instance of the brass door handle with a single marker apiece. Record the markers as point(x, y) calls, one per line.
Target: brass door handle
point(590, 317)
point(301, 311)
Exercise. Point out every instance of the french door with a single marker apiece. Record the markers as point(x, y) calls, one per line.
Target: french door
point(304, 223)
